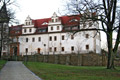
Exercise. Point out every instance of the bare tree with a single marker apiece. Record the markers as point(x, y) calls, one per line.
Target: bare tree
point(6, 16)
point(104, 11)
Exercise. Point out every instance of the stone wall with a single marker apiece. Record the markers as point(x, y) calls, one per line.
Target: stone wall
point(90, 59)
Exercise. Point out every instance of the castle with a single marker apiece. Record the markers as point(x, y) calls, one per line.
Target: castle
point(55, 35)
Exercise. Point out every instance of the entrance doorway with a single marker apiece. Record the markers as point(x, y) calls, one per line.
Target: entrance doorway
point(38, 51)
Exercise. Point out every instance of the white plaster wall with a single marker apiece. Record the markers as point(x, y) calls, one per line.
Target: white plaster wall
point(98, 46)
point(79, 41)
point(33, 46)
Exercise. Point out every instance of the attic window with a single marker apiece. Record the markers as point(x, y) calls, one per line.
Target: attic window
point(52, 20)
point(73, 20)
point(28, 23)
point(44, 23)
point(56, 20)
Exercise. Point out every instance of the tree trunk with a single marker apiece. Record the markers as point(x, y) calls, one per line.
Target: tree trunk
point(112, 62)
point(1, 39)
point(110, 51)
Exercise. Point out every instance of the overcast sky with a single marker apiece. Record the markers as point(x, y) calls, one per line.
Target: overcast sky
point(36, 9)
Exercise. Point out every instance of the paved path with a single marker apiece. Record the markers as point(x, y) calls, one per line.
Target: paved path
point(15, 70)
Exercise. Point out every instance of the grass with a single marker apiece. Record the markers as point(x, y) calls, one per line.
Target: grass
point(2, 62)
point(62, 72)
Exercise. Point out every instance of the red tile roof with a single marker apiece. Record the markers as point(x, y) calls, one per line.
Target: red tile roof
point(39, 22)
point(67, 20)
point(16, 30)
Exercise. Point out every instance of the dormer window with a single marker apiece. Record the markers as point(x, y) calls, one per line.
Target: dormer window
point(26, 23)
point(52, 20)
point(45, 23)
point(56, 20)
point(73, 20)
point(29, 23)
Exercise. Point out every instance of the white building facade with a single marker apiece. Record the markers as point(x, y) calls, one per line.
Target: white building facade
point(55, 36)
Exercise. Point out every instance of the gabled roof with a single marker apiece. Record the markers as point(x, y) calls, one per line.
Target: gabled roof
point(40, 23)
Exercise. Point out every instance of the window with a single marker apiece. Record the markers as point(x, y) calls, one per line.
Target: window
point(50, 38)
point(41, 30)
point(87, 47)
point(55, 38)
point(26, 50)
point(26, 39)
point(57, 27)
point(73, 20)
point(14, 39)
point(63, 37)
point(52, 20)
point(30, 30)
point(50, 49)
point(51, 28)
point(26, 23)
point(25, 30)
point(75, 28)
point(55, 49)
point(67, 28)
point(62, 49)
point(29, 23)
point(72, 37)
point(87, 35)
point(39, 39)
point(56, 20)
point(33, 39)
point(72, 48)
point(44, 23)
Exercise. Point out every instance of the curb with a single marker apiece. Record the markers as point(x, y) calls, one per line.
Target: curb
point(33, 73)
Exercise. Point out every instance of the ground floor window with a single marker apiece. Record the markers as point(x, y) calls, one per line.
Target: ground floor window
point(55, 49)
point(72, 48)
point(62, 49)
point(87, 47)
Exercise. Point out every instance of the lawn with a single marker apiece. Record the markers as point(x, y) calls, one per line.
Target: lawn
point(2, 62)
point(62, 72)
